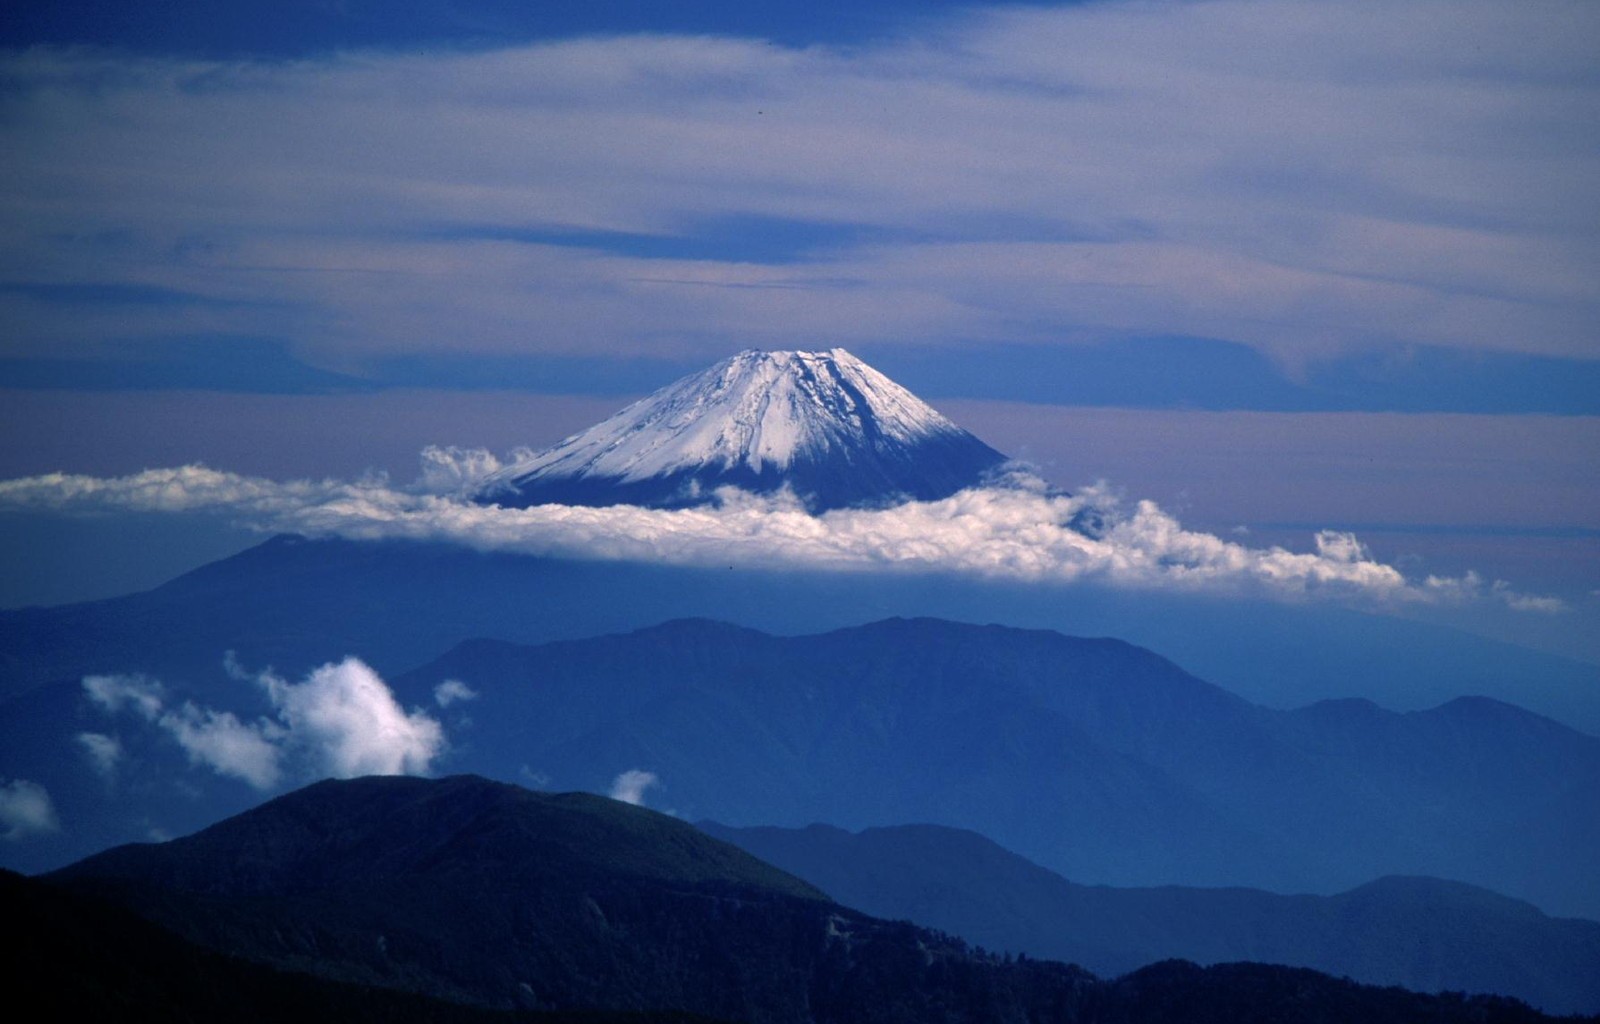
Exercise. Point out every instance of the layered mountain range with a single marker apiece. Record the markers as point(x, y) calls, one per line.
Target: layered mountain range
point(1092, 757)
point(1424, 934)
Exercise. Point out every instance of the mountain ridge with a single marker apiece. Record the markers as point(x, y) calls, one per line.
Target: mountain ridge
point(1171, 778)
point(436, 819)
point(1425, 934)
point(543, 901)
point(469, 916)
point(86, 958)
point(1170, 800)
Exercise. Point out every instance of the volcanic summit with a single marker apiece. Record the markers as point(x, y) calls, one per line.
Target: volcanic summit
point(824, 425)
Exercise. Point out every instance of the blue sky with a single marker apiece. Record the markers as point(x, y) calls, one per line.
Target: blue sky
point(297, 28)
point(1234, 204)
point(1357, 217)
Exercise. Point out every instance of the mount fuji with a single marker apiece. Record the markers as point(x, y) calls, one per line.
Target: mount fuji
point(824, 425)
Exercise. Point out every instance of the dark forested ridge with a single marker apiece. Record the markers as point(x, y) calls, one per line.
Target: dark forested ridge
point(475, 891)
point(77, 958)
point(481, 893)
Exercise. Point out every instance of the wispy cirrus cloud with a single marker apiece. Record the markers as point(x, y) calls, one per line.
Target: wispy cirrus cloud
point(1016, 529)
point(1288, 176)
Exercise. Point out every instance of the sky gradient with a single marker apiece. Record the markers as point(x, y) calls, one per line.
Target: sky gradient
point(1281, 267)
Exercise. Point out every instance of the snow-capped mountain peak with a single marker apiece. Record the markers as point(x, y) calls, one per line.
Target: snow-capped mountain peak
point(825, 424)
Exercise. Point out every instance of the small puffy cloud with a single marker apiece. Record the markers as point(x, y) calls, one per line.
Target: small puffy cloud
point(114, 693)
point(215, 739)
point(347, 721)
point(452, 690)
point(1016, 528)
point(1472, 587)
point(1528, 602)
point(26, 810)
point(104, 752)
point(1337, 546)
point(342, 720)
point(630, 786)
point(1517, 601)
point(218, 740)
point(449, 470)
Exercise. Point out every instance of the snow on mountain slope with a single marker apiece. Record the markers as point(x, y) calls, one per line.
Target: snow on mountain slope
point(824, 424)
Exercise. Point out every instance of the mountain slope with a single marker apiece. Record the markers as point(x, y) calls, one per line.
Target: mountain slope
point(1420, 933)
point(788, 729)
point(296, 604)
point(1200, 788)
point(1092, 757)
point(495, 896)
point(479, 892)
point(823, 424)
point(78, 958)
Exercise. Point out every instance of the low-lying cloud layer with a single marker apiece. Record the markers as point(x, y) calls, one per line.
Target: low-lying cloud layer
point(1016, 529)
point(341, 720)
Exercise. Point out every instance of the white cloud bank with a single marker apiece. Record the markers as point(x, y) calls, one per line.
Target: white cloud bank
point(1017, 529)
point(342, 721)
point(25, 810)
